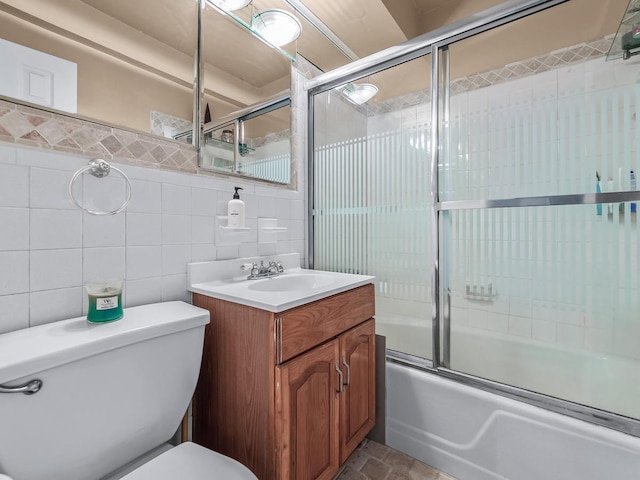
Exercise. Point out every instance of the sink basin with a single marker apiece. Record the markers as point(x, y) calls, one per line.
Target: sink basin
point(291, 282)
point(224, 280)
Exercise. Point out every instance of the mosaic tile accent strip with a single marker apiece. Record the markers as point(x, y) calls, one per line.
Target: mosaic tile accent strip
point(165, 125)
point(530, 66)
point(33, 127)
point(271, 138)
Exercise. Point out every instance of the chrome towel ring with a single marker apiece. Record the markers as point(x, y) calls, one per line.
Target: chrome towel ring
point(100, 168)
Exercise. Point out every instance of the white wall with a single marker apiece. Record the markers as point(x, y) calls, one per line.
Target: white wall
point(49, 248)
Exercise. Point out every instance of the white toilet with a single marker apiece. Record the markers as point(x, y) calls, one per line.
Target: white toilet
point(111, 398)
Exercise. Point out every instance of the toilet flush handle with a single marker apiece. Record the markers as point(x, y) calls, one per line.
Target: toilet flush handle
point(28, 388)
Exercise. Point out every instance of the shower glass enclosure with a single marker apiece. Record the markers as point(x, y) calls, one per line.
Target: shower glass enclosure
point(504, 241)
point(372, 183)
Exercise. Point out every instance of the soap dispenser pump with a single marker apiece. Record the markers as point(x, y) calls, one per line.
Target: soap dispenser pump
point(235, 211)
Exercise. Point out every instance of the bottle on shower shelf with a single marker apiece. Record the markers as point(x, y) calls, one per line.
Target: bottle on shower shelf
point(621, 187)
point(598, 190)
point(632, 186)
point(610, 205)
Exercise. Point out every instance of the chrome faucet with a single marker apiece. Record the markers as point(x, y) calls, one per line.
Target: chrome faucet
point(273, 269)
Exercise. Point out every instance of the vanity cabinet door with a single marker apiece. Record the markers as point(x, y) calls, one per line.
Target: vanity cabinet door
point(307, 405)
point(357, 401)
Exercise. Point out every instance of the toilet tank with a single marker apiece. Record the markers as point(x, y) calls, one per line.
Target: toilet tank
point(110, 392)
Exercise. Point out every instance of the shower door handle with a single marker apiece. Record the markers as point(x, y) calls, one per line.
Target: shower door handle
point(341, 379)
point(344, 362)
point(28, 388)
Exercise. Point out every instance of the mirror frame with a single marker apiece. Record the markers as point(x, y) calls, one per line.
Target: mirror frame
point(199, 127)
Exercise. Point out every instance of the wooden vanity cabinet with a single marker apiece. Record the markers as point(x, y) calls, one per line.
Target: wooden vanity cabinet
point(291, 394)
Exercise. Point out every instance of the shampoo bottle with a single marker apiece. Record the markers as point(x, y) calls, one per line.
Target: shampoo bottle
point(235, 211)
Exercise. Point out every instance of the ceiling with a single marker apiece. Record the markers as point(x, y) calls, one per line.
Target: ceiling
point(240, 70)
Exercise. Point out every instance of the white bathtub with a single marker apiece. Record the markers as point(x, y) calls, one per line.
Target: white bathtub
point(475, 435)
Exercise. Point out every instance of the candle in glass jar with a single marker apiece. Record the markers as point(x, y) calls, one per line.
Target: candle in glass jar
point(105, 302)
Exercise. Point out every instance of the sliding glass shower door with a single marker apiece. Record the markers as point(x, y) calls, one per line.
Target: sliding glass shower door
point(372, 178)
point(542, 284)
point(535, 251)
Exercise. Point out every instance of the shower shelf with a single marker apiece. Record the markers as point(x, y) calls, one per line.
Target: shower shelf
point(224, 227)
point(268, 230)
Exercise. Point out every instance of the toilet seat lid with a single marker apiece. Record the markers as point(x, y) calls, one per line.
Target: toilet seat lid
point(190, 461)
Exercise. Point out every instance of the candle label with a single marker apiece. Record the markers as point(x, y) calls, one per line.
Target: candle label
point(107, 303)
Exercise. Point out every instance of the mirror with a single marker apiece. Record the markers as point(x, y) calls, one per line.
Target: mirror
point(255, 142)
point(131, 64)
point(133, 61)
point(241, 70)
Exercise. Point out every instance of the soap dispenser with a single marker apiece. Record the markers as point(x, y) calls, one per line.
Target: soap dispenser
point(235, 211)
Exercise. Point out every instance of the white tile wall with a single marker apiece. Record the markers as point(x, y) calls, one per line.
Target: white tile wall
point(175, 259)
point(51, 305)
point(14, 272)
point(48, 189)
point(103, 230)
point(140, 292)
point(55, 229)
point(14, 183)
point(51, 269)
point(49, 248)
point(15, 308)
point(202, 229)
point(144, 229)
point(15, 228)
point(145, 197)
point(176, 229)
point(103, 264)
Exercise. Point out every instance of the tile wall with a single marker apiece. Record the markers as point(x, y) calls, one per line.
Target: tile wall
point(49, 248)
point(572, 276)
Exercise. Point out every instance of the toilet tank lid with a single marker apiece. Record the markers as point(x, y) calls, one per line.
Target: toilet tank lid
point(32, 350)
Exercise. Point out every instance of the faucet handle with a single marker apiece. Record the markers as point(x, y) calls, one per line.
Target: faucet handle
point(247, 266)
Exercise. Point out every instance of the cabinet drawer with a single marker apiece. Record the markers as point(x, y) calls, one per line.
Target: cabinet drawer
point(302, 328)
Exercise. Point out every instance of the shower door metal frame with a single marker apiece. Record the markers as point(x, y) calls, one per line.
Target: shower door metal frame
point(435, 43)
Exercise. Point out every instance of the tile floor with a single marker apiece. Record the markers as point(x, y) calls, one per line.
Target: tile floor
point(373, 461)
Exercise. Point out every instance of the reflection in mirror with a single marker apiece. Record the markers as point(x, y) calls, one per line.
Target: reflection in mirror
point(239, 69)
point(218, 148)
point(265, 145)
point(134, 60)
point(254, 143)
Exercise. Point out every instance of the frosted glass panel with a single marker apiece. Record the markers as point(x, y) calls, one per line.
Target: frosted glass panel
point(372, 211)
point(547, 299)
point(549, 133)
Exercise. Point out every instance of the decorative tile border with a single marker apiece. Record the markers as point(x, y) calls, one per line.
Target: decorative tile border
point(530, 66)
point(161, 122)
point(270, 138)
point(33, 127)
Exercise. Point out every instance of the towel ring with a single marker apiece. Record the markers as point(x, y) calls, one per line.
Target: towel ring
point(100, 168)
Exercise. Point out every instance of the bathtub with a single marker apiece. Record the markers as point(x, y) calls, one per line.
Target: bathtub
point(475, 435)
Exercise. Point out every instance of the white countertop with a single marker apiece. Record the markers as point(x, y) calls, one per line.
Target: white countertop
point(301, 286)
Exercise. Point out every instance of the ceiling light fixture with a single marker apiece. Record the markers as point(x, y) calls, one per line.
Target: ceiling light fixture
point(278, 27)
point(231, 5)
point(359, 93)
